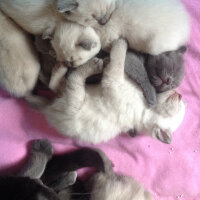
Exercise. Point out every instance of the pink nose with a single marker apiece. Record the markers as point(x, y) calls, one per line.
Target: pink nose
point(179, 96)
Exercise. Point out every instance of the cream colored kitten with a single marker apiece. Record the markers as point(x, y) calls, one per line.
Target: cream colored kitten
point(150, 26)
point(99, 113)
point(19, 63)
point(73, 43)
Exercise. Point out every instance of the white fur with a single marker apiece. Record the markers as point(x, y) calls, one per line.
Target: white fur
point(118, 187)
point(41, 17)
point(150, 26)
point(99, 113)
point(19, 64)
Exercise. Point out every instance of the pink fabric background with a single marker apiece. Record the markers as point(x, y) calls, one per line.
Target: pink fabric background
point(171, 172)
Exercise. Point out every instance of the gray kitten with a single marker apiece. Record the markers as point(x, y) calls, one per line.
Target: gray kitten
point(155, 73)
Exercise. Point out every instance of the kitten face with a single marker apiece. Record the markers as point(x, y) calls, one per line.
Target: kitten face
point(166, 70)
point(168, 115)
point(75, 44)
point(88, 12)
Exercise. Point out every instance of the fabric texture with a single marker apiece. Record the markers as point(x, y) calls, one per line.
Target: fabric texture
point(171, 172)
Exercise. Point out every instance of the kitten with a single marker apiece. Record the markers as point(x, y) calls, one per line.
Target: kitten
point(104, 184)
point(99, 113)
point(149, 26)
point(161, 73)
point(19, 63)
point(73, 44)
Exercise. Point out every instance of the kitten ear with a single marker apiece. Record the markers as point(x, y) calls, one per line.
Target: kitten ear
point(88, 44)
point(182, 49)
point(66, 5)
point(163, 136)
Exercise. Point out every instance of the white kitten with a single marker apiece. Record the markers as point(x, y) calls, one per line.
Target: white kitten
point(150, 26)
point(41, 17)
point(99, 113)
point(19, 64)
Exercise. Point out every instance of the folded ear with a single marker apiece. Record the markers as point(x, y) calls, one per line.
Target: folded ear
point(182, 49)
point(66, 5)
point(88, 44)
point(163, 136)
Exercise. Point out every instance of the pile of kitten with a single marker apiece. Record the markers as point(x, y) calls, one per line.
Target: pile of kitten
point(135, 48)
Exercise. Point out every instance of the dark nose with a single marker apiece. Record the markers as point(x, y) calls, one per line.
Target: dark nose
point(180, 96)
point(103, 20)
point(69, 64)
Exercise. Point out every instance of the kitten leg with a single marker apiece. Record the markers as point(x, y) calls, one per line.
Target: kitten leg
point(135, 69)
point(40, 153)
point(62, 182)
point(75, 85)
point(57, 74)
point(115, 69)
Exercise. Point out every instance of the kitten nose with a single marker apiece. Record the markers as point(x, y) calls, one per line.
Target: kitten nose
point(103, 20)
point(168, 81)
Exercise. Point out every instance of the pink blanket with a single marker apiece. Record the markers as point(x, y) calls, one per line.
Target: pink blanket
point(171, 172)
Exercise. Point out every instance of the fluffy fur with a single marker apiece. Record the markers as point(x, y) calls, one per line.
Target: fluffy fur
point(149, 26)
point(99, 113)
point(19, 63)
point(72, 43)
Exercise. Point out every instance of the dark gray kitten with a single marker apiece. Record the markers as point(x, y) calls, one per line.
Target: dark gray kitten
point(155, 73)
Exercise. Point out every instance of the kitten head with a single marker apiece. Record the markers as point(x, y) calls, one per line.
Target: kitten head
point(167, 116)
point(166, 70)
point(87, 12)
point(75, 44)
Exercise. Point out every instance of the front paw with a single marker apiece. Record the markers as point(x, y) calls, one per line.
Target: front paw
point(151, 96)
point(97, 62)
point(42, 146)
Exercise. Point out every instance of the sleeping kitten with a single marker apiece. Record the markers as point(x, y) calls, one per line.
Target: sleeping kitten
point(114, 106)
point(73, 44)
point(149, 26)
point(19, 63)
point(163, 72)
point(105, 184)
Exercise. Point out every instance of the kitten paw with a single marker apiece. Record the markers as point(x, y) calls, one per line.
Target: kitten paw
point(64, 181)
point(151, 96)
point(42, 146)
point(97, 61)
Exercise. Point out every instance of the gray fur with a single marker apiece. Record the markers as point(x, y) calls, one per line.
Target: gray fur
point(135, 69)
point(40, 153)
point(166, 70)
point(155, 73)
point(65, 6)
